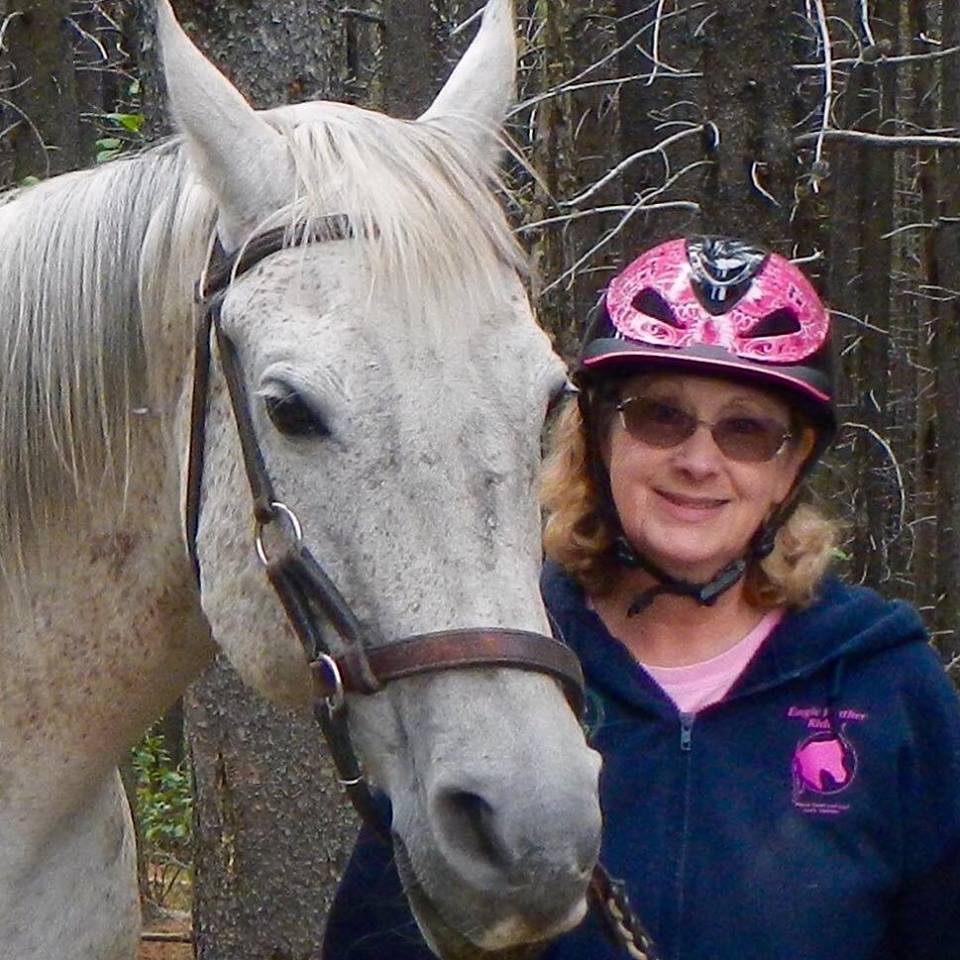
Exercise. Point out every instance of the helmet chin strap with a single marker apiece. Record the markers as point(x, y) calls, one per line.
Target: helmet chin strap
point(707, 592)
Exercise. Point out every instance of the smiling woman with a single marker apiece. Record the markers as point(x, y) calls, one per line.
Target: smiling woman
point(364, 377)
point(781, 751)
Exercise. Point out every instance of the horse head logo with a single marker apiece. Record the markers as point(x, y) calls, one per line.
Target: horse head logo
point(823, 764)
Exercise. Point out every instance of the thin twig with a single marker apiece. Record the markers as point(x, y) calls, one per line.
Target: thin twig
point(655, 46)
point(152, 936)
point(860, 321)
point(755, 169)
point(865, 23)
point(24, 118)
point(6, 23)
point(596, 65)
point(903, 58)
point(827, 91)
point(89, 36)
point(620, 167)
point(689, 205)
point(906, 227)
point(641, 206)
point(888, 450)
point(466, 23)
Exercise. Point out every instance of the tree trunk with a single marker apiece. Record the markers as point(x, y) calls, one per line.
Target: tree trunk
point(43, 105)
point(272, 830)
point(663, 58)
point(411, 57)
point(748, 95)
point(925, 116)
point(946, 349)
point(877, 450)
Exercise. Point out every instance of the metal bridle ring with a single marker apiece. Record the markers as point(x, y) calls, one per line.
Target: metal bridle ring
point(294, 524)
point(334, 702)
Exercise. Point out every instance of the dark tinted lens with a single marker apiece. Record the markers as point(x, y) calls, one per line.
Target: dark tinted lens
point(656, 422)
point(750, 439)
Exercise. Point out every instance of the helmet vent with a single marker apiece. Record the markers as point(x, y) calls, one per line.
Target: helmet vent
point(780, 323)
point(651, 304)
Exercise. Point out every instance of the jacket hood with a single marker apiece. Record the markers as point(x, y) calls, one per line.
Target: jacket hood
point(843, 623)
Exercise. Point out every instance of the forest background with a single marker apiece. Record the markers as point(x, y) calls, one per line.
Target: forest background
point(826, 129)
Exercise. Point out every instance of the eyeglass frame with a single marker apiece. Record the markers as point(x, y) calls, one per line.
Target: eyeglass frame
point(621, 404)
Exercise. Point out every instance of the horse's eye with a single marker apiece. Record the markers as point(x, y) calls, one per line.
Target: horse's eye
point(293, 416)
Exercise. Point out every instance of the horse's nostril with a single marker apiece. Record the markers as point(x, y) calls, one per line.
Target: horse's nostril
point(469, 825)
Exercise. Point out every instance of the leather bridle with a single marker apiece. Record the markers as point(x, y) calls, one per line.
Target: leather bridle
point(311, 600)
point(309, 597)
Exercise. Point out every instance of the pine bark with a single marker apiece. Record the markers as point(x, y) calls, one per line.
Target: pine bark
point(43, 103)
point(748, 95)
point(946, 351)
point(272, 829)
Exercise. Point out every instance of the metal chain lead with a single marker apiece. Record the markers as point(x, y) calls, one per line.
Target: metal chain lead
point(622, 925)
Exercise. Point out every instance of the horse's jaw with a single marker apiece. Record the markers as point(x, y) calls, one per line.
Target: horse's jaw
point(448, 943)
point(496, 834)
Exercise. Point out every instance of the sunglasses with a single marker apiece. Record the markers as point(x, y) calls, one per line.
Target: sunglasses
point(744, 438)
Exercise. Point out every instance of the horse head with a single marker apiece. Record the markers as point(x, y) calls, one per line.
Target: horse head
point(397, 384)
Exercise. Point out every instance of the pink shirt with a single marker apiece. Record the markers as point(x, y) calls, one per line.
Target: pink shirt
point(698, 685)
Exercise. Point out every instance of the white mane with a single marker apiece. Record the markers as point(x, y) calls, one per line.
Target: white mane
point(93, 261)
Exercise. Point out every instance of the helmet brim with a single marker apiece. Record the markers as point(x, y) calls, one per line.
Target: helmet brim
point(806, 386)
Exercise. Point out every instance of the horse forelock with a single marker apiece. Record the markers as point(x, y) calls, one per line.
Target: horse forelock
point(425, 205)
point(93, 262)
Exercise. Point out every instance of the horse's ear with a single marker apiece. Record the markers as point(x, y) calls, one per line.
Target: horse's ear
point(474, 101)
point(238, 155)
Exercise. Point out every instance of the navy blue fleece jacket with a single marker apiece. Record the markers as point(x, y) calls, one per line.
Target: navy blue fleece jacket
point(812, 814)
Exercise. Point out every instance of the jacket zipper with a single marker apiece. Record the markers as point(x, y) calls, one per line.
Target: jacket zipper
point(686, 730)
point(686, 738)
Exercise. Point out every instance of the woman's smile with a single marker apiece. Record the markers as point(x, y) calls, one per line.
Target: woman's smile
point(686, 506)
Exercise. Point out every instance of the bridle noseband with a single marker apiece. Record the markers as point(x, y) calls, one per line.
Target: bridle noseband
point(310, 599)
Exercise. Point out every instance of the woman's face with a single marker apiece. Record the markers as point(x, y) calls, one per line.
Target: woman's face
point(690, 508)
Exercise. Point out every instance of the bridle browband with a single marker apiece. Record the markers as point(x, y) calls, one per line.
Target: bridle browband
point(309, 597)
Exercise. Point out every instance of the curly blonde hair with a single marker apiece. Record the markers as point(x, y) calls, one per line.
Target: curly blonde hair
point(580, 530)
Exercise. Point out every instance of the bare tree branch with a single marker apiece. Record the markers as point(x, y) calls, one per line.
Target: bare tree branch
point(877, 139)
point(624, 164)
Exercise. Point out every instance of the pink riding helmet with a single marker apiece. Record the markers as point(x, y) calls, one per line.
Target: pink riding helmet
point(721, 306)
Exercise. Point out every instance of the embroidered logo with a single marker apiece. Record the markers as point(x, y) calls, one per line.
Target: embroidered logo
point(824, 762)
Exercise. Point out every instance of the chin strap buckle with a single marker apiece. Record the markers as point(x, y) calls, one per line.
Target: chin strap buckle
point(705, 594)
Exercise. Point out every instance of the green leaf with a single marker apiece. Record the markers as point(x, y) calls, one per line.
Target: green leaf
point(129, 121)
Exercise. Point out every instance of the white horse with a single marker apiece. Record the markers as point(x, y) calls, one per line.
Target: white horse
point(397, 385)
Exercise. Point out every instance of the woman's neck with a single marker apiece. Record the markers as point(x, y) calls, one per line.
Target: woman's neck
point(675, 631)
